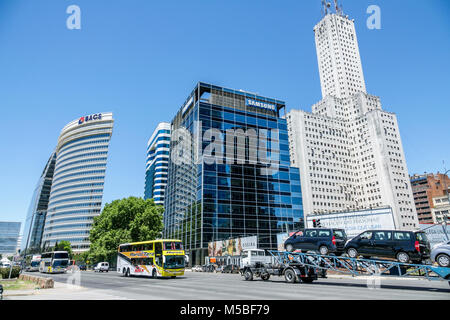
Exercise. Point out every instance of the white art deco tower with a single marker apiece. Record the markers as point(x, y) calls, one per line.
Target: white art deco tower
point(348, 149)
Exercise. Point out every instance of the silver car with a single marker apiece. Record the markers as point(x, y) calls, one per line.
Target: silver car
point(441, 254)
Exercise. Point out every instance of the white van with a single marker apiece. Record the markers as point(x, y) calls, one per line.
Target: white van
point(101, 267)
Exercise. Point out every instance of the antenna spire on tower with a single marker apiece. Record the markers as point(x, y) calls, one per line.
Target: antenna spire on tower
point(325, 6)
point(338, 8)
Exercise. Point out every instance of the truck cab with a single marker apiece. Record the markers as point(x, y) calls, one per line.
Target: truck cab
point(253, 256)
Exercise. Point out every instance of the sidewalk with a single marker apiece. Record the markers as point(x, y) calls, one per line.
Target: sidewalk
point(62, 291)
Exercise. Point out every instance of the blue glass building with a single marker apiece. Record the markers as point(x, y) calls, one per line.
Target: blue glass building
point(9, 237)
point(212, 192)
point(37, 212)
point(157, 162)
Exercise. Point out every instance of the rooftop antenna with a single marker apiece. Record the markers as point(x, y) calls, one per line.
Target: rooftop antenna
point(325, 6)
point(336, 7)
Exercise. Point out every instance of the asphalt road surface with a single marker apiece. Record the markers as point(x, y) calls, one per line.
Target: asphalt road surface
point(204, 286)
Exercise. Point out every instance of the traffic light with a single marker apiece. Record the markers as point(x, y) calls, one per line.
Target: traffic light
point(314, 223)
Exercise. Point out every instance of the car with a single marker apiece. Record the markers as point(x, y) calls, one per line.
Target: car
point(322, 240)
point(101, 267)
point(441, 254)
point(82, 267)
point(404, 246)
point(197, 268)
point(219, 269)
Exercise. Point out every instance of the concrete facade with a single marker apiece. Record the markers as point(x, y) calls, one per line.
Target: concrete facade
point(348, 149)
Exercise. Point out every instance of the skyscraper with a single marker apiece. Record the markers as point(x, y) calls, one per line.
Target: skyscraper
point(9, 237)
point(37, 212)
point(348, 149)
point(156, 166)
point(229, 171)
point(78, 180)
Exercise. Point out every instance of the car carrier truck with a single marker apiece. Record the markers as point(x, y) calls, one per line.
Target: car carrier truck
point(256, 264)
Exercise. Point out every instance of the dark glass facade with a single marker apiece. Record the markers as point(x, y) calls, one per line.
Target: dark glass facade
point(217, 195)
point(37, 212)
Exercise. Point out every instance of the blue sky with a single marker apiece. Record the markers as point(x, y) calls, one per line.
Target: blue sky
point(141, 58)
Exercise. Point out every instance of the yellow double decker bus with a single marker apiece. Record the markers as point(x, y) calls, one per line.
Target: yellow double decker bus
point(156, 258)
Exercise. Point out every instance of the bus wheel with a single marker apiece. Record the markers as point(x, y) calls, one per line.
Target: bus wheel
point(127, 274)
point(124, 272)
point(154, 274)
point(173, 277)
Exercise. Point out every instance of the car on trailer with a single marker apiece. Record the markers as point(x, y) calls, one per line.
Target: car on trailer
point(405, 246)
point(322, 240)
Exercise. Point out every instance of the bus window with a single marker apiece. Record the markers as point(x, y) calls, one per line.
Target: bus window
point(178, 246)
point(173, 246)
point(168, 245)
point(61, 255)
point(158, 248)
point(148, 247)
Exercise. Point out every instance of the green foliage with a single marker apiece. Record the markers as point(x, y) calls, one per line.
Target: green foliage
point(4, 272)
point(63, 246)
point(80, 258)
point(130, 219)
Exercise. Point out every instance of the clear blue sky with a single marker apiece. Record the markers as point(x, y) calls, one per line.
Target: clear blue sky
point(141, 58)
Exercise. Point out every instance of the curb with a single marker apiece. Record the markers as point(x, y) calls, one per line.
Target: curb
point(335, 276)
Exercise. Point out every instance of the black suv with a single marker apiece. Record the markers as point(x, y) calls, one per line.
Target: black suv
point(324, 241)
point(405, 246)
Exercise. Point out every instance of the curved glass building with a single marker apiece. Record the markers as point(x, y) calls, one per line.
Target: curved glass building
point(78, 180)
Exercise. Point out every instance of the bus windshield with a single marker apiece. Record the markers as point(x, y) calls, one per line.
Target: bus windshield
point(34, 263)
point(174, 262)
point(61, 255)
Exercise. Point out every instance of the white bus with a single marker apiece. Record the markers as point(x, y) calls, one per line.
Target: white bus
point(34, 264)
point(54, 262)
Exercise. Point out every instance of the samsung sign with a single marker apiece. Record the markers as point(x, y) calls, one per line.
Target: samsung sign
point(97, 116)
point(258, 104)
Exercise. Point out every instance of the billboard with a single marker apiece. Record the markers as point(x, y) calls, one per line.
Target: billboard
point(436, 233)
point(356, 222)
point(231, 247)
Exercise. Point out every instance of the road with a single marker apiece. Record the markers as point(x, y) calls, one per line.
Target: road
point(205, 286)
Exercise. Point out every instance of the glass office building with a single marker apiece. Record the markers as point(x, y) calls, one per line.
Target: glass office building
point(37, 212)
point(78, 180)
point(157, 163)
point(229, 171)
point(9, 237)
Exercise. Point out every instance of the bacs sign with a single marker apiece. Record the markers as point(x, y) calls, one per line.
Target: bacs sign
point(97, 116)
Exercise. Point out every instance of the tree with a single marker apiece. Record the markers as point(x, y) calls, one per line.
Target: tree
point(130, 219)
point(63, 246)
